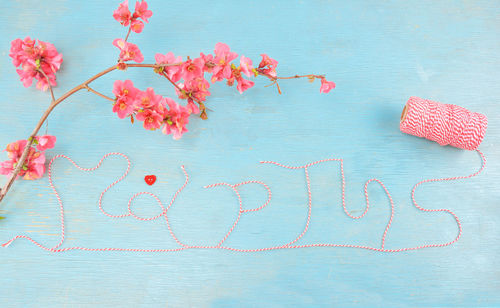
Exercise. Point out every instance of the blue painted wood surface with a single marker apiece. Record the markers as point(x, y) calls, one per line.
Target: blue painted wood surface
point(378, 53)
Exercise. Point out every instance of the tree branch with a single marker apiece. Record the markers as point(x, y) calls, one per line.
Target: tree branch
point(47, 112)
point(98, 93)
point(48, 83)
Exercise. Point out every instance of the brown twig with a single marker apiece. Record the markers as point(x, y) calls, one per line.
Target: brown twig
point(171, 81)
point(128, 33)
point(274, 79)
point(98, 93)
point(51, 94)
point(291, 77)
point(48, 83)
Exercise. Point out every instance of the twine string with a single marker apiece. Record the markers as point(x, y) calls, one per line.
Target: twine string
point(445, 124)
point(241, 210)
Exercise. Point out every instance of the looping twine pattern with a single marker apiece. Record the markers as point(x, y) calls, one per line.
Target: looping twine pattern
point(291, 244)
point(444, 123)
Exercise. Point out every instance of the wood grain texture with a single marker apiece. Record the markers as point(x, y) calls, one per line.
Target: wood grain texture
point(378, 52)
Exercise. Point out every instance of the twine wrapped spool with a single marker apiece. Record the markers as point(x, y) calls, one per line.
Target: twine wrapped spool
point(445, 124)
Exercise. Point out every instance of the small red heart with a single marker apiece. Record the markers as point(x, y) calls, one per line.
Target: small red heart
point(150, 179)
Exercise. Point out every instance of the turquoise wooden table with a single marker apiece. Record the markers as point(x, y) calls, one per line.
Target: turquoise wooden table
point(379, 54)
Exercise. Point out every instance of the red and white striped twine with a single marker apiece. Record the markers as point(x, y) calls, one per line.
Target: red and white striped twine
point(445, 124)
point(289, 245)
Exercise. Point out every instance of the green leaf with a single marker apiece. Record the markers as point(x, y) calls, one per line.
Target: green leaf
point(1, 217)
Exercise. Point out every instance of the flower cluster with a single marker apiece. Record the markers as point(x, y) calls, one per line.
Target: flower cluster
point(35, 58)
point(268, 65)
point(34, 165)
point(187, 76)
point(194, 87)
point(126, 18)
point(152, 109)
point(128, 51)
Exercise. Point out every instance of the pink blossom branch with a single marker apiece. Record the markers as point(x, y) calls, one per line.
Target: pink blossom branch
point(154, 110)
point(85, 85)
point(55, 102)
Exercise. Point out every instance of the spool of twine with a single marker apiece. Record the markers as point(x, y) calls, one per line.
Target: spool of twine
point(445, 124)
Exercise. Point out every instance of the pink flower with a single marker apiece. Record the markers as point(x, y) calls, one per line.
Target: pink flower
point(35, 58)
point(192, 68)
point(15, 149)
point(123, 108)
point(246, 66)
point(122, 14)
point(27, 73)
point(326, 86)
point(34, 164)
point(192, 106)
point(49, 56)
point(147, 99)
point(125, 90)
point(45, 142)
point(209, 62)
point(176, 117)
point(194, 89)
point(198, 88)
point(141, 11)
point(268, 65)
point(124, 17)
point(20, 50)
point(128, 51)
point(160, 108)
point(173, 72)
point(137, 26)
point(125, 98)
point(7, 167)
point(152, 120)
point(33, 167)
point(222, 60)
point(244, 84)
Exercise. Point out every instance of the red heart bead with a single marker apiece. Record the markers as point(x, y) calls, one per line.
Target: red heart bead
point(150, 179)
